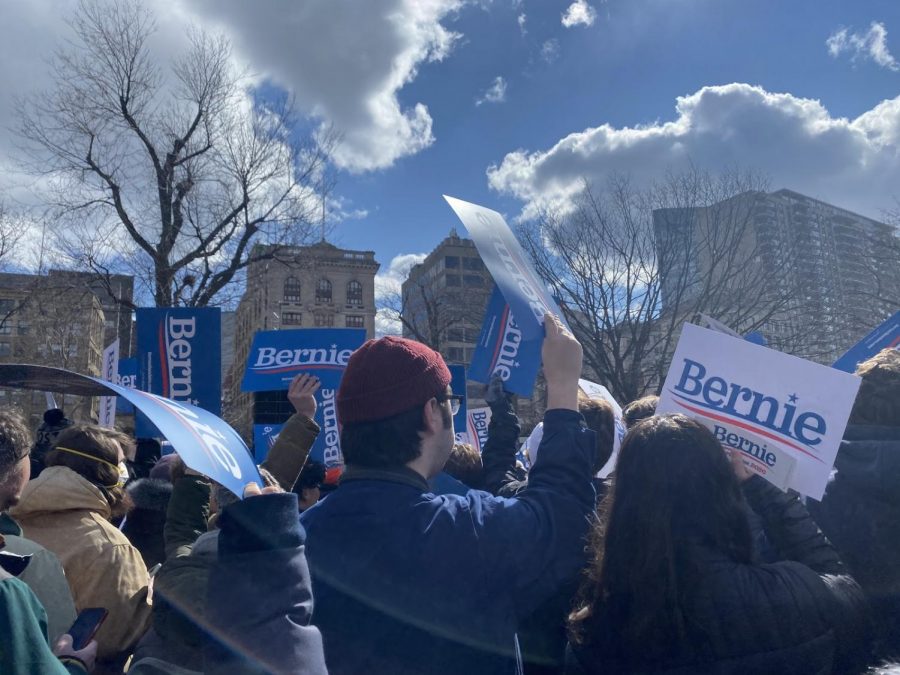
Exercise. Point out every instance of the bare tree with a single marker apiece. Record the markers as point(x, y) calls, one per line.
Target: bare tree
point(631, 265)
point(174, 174)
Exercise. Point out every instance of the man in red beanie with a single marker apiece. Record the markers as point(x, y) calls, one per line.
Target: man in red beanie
point(408, 582)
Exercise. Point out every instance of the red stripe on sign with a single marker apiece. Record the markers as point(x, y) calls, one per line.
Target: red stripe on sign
point(500, 337)
point(298, 369)
point(748, 427)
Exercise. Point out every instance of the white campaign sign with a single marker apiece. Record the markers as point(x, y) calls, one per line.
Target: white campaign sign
point(593, 390)
point(110, 373)
point(787, 415)
point(477, 423)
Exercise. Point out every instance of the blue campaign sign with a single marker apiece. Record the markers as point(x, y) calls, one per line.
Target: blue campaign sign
point(128, 376)
point(458, 386)
point(204, 442)
point(327, 448)
point(886, 336)
point(504, 258)
point(264, 437)
point(179, 351)
point(276, 356)
point(503, 350)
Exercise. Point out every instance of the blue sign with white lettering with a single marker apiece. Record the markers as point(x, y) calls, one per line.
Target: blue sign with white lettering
point(886, 336)
point(264, 437)
point(179, 352)
point(503, 256)
point(503, 350)
point(128, 376)
point(276, 356)
point(204, 442)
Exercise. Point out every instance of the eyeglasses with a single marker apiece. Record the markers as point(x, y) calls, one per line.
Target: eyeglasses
point(455, 401)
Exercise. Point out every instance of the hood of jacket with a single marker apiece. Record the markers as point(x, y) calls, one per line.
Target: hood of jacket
point(869, 461)
point(58, 488)
point(150, 494)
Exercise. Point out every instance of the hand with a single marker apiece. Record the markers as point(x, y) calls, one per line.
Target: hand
point(87, 656)
point(562, 358)
point(302, 394)
point(252, 490)
point(737, 465)
point(494, 392)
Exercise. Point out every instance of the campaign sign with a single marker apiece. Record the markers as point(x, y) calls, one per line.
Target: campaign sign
point(502, 350)
point(597, 391)
point(204, 442)
point(127, 377)
point(327, 448)
point(179, 351)
point(886, 336)
point(477, 423)
point(276, 356)
point(785, 414)
point(458, 386)
point(505, 260)
point(110, 372)
point(264, 437)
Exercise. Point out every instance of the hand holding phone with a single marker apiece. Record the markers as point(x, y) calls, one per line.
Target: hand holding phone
point(86, 625)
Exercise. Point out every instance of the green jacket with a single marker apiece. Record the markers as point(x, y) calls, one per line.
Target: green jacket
point(24, 647)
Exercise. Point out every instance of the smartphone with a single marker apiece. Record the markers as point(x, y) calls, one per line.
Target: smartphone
point(86, 625)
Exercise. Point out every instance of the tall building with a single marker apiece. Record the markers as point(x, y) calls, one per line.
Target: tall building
point(47, 320)
point(443, 304)
point(836, 272)
point(319, 286)
point(116, 295)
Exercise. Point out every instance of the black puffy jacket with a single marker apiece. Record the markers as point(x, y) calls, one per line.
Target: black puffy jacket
point(860, 514)
point(800, 615)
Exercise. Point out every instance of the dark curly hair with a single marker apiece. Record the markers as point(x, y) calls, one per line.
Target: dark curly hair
point(878, 400)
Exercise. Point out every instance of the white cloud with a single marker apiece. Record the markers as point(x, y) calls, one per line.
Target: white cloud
point(796, 141)
point(522, 18)
point(346, 61)
point(871, 45)
point(580, 13)
point(496, 93)
point(550, 51)
point(387, 292)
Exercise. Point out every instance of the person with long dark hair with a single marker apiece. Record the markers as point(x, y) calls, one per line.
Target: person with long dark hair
point(675, 585)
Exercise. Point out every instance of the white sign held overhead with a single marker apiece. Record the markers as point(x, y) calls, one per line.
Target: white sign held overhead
point(110, 373)
point(787, 415)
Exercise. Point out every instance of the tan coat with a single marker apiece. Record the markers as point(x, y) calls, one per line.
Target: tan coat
point(67, 515)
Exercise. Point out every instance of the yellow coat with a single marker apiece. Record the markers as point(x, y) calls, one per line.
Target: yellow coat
point(68, 515)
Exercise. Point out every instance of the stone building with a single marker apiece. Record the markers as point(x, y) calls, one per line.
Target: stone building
point(318, 286)
point(50, 321)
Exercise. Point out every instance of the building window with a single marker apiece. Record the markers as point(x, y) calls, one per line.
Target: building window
point(323, 291)
point(5, 349)
point(356, 321)
point(453, 280)
point(455, 335)
point(473, 264)
point(456, 354)
point(473, 280)
point(451, 262)
point(6, 328)
point(354, 293)
point(324, 320)
point(291, 318)
point(24, 328)
point(292, 290)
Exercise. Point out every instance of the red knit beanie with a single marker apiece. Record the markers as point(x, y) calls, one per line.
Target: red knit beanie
point(389, 376)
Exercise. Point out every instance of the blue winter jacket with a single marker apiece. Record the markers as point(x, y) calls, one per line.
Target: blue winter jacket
point(409, 582)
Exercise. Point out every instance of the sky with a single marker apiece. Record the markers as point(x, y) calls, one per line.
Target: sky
point(513, 103)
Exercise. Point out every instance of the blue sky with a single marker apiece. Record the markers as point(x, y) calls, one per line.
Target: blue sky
point(625, 70)
point(806, 91)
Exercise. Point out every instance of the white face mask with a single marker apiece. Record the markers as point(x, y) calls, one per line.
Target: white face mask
point(123, 473)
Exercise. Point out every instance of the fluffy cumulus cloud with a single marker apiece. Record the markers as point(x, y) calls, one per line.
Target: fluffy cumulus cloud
point(796, 141)
point(521, 20)
point(579, 13)
point(496, 93)
point(346, 62)
point(387, 292)
point(871, 46)
point(550, 50)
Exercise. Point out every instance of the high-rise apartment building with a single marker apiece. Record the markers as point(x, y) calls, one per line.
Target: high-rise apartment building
point(837, 273)
point(318, 286)
point(49, 321)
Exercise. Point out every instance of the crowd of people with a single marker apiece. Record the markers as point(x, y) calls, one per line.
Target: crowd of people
point(430, 557)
